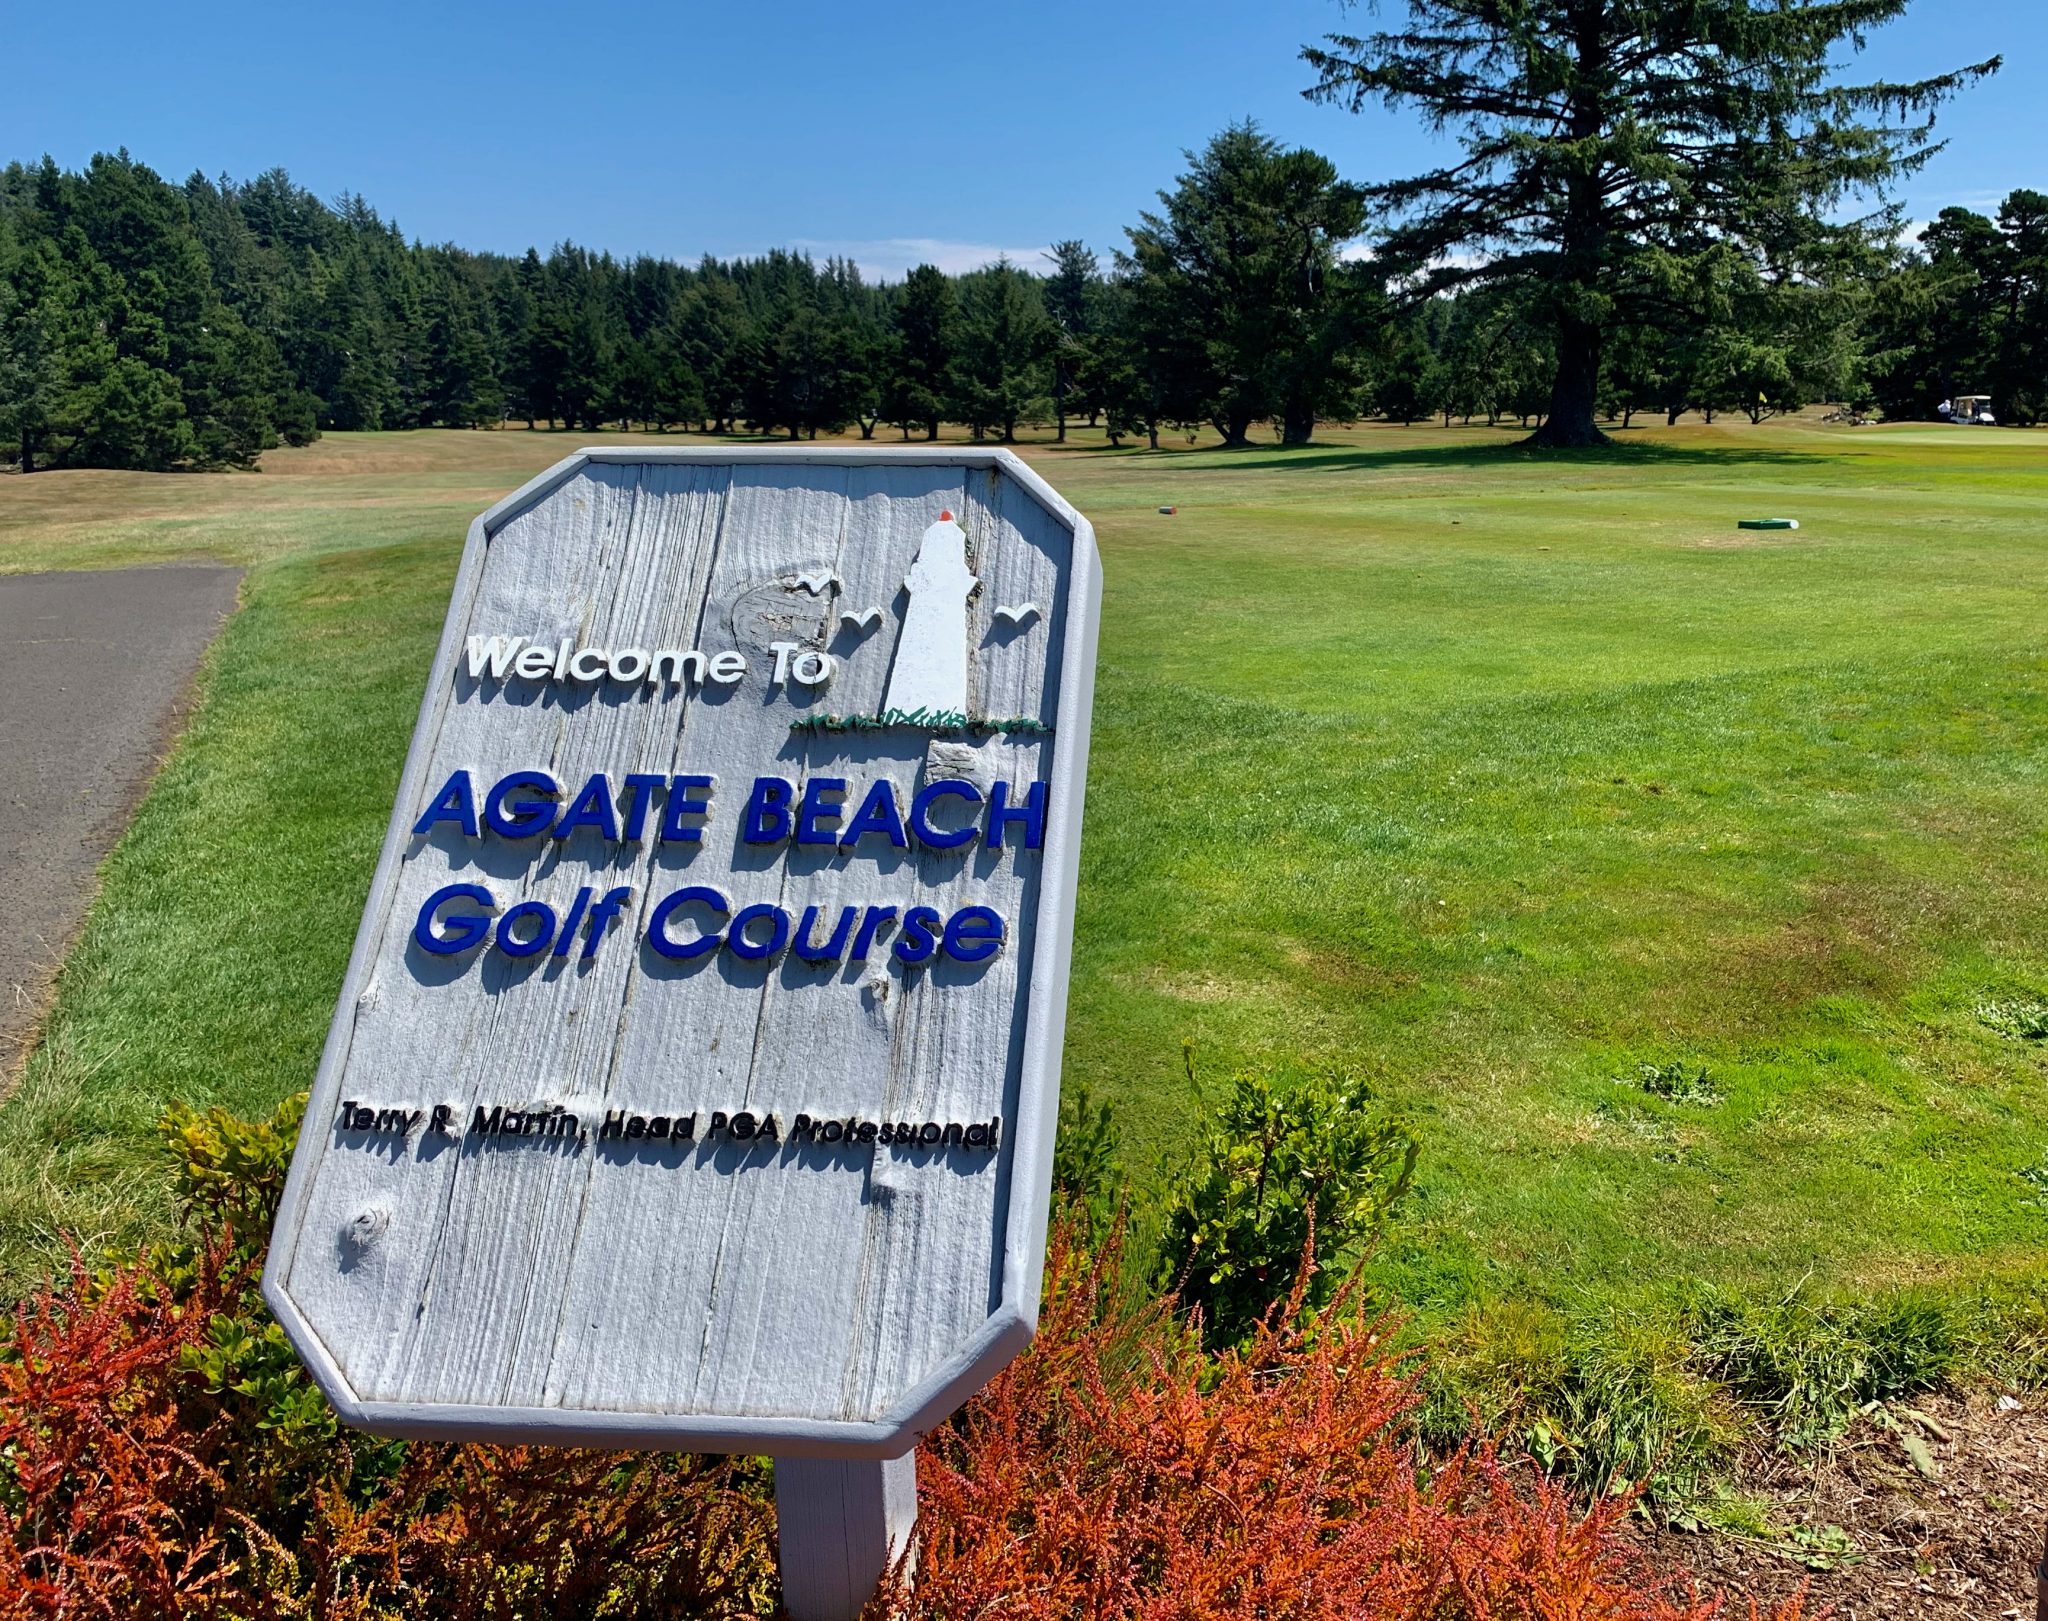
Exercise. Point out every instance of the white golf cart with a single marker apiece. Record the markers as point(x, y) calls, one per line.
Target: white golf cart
point(1970, 410)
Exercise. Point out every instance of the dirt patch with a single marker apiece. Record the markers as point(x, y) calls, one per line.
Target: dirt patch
point(1200, 986)
point(1894, 1543)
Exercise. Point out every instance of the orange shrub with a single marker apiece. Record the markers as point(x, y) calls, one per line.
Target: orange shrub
point(1113, 1471)
point(129, 1488)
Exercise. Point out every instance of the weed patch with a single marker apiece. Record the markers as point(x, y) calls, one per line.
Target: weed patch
point(2023, 1018)
point(1807, 1369)
point(1676, 1083)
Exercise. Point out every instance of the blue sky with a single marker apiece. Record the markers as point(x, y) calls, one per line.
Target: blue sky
point(892, 133)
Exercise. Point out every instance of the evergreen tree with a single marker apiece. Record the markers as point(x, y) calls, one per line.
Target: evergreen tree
point(1600, 135)
point(1248, 243)
point(36, 301)
point(677, 393)
point(1111, 375)
point(462, 367)
point(1069, 303)
point(713, 338)
point(1001, 370)
point(2019, 379)
point(861, 344)
point(1399, 384)
point(517, 296)
point(362, 393)
point(926, 324)
point(590, 367)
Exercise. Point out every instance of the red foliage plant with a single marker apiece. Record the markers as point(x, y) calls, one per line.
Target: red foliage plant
point(1114, 1471)
point(98, 1478)
point(132, 1486)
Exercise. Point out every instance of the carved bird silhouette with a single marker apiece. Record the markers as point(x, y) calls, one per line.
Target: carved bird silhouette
point(1021, 613)
point(818, 584)
point(863, 621)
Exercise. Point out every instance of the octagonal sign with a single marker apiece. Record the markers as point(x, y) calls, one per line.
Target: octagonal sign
point(694, 1079)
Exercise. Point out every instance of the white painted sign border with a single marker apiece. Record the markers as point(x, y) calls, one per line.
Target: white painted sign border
point(1011, 1325)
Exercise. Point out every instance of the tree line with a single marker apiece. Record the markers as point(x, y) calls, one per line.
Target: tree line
point(149, 325)
point(156, 326)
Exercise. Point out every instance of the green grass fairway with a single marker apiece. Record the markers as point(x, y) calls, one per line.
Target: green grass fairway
point(1493, 776)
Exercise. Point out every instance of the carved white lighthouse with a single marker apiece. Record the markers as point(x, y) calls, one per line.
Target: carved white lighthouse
point(930, 672)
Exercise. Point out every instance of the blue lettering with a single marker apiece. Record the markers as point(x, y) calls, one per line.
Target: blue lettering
point(456, 802)
point(833, 949)
point(681, 950)
point(567, 938)
point(755, 950)
point(601, 916)
point(1001, 814)
point(877, 814)
point(687, 796)
point(974, 933)
point(929, 795)
point(461, 931)
point(918, 941)
point(542, 914)
point(767, 814)
point(592, 808)
point(823, 802)
point(874, 918)
point(641, 787)
point(511, 818)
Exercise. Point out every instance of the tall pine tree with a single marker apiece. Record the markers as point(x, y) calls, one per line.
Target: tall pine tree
point(1602, 136)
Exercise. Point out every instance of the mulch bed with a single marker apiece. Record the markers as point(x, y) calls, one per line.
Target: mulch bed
point(1963, 1543)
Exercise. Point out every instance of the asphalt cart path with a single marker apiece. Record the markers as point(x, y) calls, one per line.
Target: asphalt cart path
point(95, 669)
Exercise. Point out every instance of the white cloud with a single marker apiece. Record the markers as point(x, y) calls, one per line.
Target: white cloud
point(892, 258)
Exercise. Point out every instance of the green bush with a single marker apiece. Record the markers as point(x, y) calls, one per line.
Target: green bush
point(1087, 1174)
point(2004, 1334)
point(1659, 1396)
point(1635, 1414)
point(230, 1172)
point(1289, 1167)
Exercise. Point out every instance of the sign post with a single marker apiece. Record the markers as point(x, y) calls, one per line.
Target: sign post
point(694, 1080)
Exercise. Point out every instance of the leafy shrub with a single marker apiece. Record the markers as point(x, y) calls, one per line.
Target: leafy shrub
point(162, 1454)
point(2004, 1332)
point(1635, 1416)
point(230, 1172)
point(1657, 1397)
point(130, 1488)
point(1610, 1403)
point(1284, 1162)
point(1087, 1178)
point(2022, 1018)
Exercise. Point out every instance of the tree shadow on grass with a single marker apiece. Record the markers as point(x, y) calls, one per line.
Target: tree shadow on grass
point(1372, 458)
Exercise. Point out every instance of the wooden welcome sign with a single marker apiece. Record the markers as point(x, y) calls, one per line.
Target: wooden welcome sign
point(694, 1080)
